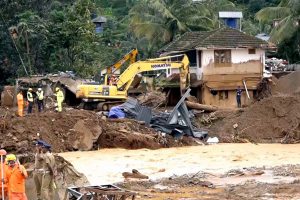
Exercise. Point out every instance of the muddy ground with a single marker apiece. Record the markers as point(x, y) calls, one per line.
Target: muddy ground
point(272, 120)
point(74, 130)
point(222, 171)
point(239, 185)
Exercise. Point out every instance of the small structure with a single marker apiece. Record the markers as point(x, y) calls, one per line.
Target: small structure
point(231, 19)
point(99, 22)
point(263, 36)
point(221, 60)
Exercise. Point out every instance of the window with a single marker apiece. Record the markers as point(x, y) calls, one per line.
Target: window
point(222, 56)
point(251, 51)
point(223, 94)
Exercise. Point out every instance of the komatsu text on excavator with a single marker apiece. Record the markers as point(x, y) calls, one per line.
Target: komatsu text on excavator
point(105, 96)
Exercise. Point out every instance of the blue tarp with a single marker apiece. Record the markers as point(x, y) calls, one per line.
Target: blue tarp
point(116, 112)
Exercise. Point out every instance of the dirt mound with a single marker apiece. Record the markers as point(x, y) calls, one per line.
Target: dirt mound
point(19, 133)
point(274, 119)
point(7, 96)
point(130, 134)
point(79, 130)
point(288, 84)
point(152, 99)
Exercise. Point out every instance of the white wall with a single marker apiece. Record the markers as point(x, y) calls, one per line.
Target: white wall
point(242, 62)
point(242, 55)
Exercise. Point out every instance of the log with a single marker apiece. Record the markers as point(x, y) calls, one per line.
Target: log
point(199, 106)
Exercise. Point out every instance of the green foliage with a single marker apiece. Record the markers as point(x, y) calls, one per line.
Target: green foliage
point(286, 13)
point(59, 35)
point(289, 49)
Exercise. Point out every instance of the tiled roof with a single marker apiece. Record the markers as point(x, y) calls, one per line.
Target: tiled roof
point(221, 38)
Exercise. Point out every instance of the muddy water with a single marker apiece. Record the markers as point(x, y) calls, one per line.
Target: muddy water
point(107, 165)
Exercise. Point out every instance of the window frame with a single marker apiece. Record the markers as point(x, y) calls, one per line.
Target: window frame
point(224, 59)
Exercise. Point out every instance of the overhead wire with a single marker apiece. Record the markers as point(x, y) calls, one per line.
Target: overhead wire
point(15, 45)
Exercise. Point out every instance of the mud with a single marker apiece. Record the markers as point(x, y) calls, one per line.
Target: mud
point(152, 99)
point(245, 186)
point(272, 120)
point(288, 84)
point(74, 130)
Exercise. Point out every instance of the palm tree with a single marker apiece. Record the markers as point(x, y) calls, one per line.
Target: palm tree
point(287, 13)
point(160, 21)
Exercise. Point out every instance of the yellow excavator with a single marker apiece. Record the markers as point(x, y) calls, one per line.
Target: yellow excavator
point(131, 56)
point(103, 97)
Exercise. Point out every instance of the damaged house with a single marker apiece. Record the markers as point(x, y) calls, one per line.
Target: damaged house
point(221, 60)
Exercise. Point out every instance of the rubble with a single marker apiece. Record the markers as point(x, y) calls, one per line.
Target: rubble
point(288, 84)
point(152, 99)
point(271, 120)
point(176, 123)
point(74, 130)
point(7, 96)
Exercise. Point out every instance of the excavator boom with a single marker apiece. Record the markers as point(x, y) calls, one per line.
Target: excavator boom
point(132, 55)
point(127, 76)
point(118, 90)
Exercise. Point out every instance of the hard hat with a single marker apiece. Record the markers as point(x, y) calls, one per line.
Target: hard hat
point(2, 152)
point(39, 89)
point(57, 89)
point(30, 89)
point(11, 157)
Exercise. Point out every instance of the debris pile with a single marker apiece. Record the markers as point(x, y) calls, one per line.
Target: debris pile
point(274, 119)
point(176, 123)
point(288, 84)
point(79, 130)
point(7, 96)
point(152, 99)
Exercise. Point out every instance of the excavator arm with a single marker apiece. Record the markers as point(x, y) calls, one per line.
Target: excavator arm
point(132, 55)
point(127, 76)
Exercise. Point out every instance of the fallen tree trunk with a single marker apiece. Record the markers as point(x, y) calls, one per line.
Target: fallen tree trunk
point(199, 106)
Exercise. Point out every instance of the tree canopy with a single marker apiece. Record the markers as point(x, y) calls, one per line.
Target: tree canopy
point(41, 36)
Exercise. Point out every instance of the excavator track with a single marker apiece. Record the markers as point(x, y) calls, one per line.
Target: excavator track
point(106, 106)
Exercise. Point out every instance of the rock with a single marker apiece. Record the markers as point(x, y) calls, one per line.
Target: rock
point(135, 174)
point(87, 135)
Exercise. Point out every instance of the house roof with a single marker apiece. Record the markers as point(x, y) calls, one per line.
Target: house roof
point(222, 38)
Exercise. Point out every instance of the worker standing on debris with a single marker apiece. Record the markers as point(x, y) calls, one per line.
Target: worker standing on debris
point(59, 98)
point(30, 100)
point(40, 99)
point(15, 176)
point(3, 167)
point(49, 173)
point(38, 168)
point(238, 96)
point(20, 100)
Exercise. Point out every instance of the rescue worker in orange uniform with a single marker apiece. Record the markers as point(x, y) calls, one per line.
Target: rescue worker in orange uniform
point(3, 168)
point(15, 176)
point(20, 100)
